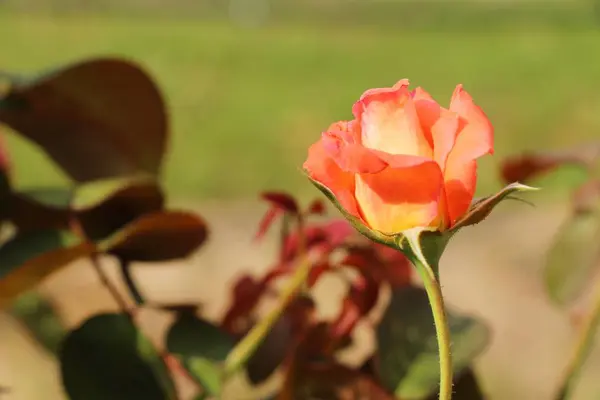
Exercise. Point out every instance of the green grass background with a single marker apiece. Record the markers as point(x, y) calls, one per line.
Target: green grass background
point(246, 101)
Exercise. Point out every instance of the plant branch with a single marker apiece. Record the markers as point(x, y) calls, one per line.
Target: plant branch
point(120, 300)
point(582, 349)
point(240, 354)
point(130, 282)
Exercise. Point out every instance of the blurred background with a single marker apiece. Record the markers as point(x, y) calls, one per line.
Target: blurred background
point(250, 84)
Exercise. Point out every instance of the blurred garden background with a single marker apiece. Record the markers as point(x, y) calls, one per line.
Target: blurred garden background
point(250, 84)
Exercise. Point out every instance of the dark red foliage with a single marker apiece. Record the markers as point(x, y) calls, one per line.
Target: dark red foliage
point(297, 331)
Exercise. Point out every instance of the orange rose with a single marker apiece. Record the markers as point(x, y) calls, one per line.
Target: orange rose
point(404, 161)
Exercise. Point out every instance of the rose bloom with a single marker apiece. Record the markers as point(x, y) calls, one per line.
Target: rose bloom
point(404, 161)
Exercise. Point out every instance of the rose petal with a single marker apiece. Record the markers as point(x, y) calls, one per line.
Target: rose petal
point(351, 157)
point(400, 198)
point(461, 179)
point(444, 132)
point(476, 137)
point(389, 122)
point(441, 124)
point(322, 168)
point(420, 94)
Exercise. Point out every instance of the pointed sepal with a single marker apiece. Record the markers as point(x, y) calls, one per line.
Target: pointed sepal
point(481, 209)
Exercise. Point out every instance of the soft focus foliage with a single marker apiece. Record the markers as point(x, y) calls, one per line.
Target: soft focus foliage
point(103, 122)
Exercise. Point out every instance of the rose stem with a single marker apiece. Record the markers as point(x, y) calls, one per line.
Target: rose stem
point(582, 349)
point(436, 300)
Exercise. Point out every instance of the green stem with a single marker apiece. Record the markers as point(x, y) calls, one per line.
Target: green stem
point(582, 349)
point(436, 300)
point(240, 354)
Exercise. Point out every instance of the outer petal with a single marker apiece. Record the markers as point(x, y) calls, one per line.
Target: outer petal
point(389, 122)
point(461, 179)
point(421, 94)
point(322, 168)
point(475, 139)
point(400, 198)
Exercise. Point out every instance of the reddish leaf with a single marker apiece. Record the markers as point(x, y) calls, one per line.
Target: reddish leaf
point(159, 236)
point(97, 118)
point(281, 340)
point(267, 220)
point(312, 235)
point(30, 257)
point(381, 263)
point(317, 207)
point(331, 381)
point(332, 234)
point(527, 166)
point(283, 201)
point(397, 269)
point(28, 210)
point(317, 271)
point(362, 297)
point(246, 293)
point(105, 206)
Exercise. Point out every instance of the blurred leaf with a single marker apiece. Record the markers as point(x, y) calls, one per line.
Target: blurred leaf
point(107, 357)
point(572, 257)
point(271, 352)
point(202, 347)
point(332, 382)
point(317, 207)
point(482, 208)
point(247, 291)
point(283, 201)
point(98, 118)
point(408, 352)
point(465, 387)
point(38, 315)
point(279, 344)
point(525, 167)
point(107, 205)
point(586, 199)
point(361, 298)
point(40, 208)
point(29, 257)
point(159, 236)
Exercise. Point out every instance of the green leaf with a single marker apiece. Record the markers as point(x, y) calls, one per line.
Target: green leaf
point(108, 358)
point(572, 257)
point(159, 236)
point(202, 347)
point(482, 208)
point(41, 320)
point(107, 205)
point(408, 353)
point(29, 257)
point(98, 118)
